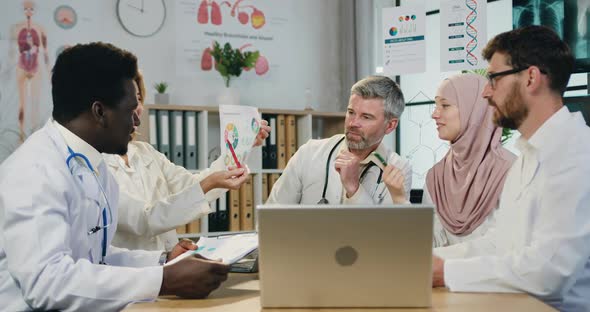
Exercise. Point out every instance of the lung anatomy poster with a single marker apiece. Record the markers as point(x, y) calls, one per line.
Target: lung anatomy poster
point(463, 34)
point(32, 34)
point(256, 25)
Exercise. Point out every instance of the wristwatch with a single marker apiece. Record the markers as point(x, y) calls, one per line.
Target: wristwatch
point(163, 258)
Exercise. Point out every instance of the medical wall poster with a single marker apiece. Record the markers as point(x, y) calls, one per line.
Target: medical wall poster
point(239, 127)
point(576, 32)
point(463, 34)
point(256, 25)
point(568, 18)
point(403, 35)
point(33, 33)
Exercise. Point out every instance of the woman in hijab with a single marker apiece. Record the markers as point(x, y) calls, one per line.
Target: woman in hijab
point(465, 185)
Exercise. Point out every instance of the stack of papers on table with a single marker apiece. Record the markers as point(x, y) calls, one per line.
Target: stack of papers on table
point(228, 249)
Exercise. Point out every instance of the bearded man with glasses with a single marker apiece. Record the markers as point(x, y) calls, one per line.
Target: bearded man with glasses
point(541, 241)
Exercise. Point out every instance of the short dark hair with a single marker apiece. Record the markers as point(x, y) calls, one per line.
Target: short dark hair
point(535, 45)
point(86, 73)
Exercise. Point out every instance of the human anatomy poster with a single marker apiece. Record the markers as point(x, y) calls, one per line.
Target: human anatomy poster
point(239, 127)
point(256, 25)
point(463, 34)
point(404, 49)
point(32, 34)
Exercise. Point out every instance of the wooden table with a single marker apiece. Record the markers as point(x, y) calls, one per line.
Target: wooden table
point(241, 293)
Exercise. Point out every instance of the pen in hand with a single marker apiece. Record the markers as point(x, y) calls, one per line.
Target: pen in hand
point(233, 153)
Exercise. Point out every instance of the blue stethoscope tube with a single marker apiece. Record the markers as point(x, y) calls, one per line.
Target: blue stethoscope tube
point(104, 226)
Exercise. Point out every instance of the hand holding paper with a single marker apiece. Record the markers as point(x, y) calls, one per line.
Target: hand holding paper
point(239, 128)
point(228, 249)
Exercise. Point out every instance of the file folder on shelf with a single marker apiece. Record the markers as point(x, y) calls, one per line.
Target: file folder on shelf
point(291, 137)
point(153, 125)
point(194, 226)
point(222, 214)
point(272, 179)
point(269, 150)
point(213, 227)
point(281, 137)
point(234, 209)
point(264, 187)
point(176, 138)
point(247, 206)
point(190, 140)
point(163, 125)
point(181, 229)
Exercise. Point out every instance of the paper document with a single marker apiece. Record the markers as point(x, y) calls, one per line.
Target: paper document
point(229, 248)
point(239, 127)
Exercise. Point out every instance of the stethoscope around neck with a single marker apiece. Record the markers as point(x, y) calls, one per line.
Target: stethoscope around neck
point(105, 224)
point(323, 200)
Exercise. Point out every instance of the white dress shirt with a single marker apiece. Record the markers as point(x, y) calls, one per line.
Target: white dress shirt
point(48, 258)
point(441, 237)
point(303, 180)
point(156, 196)
point(541, 241)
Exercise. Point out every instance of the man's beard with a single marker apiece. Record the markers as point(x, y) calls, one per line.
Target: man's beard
point(515, 112)
point(364, 143)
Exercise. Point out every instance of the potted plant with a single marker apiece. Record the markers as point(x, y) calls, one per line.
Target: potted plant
point(230, 62)
point(161, 97)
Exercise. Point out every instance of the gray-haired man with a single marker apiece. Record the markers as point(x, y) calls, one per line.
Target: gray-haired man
point(348, 168)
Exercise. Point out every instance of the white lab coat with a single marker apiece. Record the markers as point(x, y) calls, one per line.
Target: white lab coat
point(302, 181)
point(47, 259)
point(541, 241)
point(156, 196)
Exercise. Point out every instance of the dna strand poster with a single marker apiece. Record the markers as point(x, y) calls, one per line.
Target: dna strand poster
point(239, 127)
point(404, 48)
point(463, 34)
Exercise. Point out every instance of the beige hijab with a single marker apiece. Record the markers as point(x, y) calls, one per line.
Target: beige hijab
point(466, 184)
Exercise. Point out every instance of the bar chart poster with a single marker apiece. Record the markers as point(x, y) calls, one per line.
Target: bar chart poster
point(463, 34)
point(403, 36)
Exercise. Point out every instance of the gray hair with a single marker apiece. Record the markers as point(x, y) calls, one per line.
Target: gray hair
point(384, 88)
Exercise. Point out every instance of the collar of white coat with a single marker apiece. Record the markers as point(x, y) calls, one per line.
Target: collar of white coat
point(137, 154)
point(78, 145)
point(544, 135)
point(381, 149)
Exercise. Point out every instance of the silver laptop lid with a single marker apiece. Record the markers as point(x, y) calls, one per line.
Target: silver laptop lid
point(345, 255)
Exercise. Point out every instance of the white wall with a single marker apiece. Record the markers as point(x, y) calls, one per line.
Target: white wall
point(311, 56)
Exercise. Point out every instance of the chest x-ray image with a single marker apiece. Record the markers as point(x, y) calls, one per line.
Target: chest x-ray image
point(569, 19)
point(576, 34)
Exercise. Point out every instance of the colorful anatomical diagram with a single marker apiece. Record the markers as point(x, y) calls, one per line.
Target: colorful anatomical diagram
point(31, 39)
point(260, 68)
point(65, 17)
point(209, 9)
point(245, 13)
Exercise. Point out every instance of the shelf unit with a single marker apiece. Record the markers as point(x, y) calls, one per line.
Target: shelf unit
point(310, 125)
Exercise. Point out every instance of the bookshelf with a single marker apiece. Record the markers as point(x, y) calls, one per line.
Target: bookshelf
point(309, 125)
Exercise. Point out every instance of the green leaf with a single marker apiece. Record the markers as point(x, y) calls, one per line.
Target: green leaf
point(231, 62)
point(221, 68)
point(251, 58)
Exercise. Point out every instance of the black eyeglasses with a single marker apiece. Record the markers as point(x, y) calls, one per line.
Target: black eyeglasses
point(492, 77)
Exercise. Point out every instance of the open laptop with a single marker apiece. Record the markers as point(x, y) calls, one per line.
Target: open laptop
point(345, 256)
